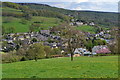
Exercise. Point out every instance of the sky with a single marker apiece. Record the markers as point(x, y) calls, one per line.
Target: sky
point(91, 5)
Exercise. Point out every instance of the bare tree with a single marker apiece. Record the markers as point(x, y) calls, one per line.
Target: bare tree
point(73, 38)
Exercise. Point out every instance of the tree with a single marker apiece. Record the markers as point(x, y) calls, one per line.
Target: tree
point(27, 15)
point(23, 21)
point(34, 40)
point(21, 52)
point(48, 51)
point(3, 30)
point(34, 27)
point(56, 51)
point(99, 42)
point(114, 44)
point(36, 51)
point(89, 45)
point(74, 38)
point(11, 29)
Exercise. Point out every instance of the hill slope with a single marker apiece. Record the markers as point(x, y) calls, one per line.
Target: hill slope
point(20, 18)
point(101, 18)
point(27, 12)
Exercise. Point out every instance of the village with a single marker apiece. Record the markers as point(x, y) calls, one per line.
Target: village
point(14, 41)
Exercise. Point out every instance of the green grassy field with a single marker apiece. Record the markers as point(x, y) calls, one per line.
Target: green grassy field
point(86, 28)
point(15, 22)
point(81, 67)
point(46, 23)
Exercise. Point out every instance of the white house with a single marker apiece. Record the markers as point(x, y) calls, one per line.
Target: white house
point(92, 24)
point(79, 23)
point(82, 51)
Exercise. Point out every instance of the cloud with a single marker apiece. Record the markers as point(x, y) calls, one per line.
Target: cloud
point(94, 5)
point(77, 8)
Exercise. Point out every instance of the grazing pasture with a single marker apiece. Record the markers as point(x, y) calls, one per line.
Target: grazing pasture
point(81, 67)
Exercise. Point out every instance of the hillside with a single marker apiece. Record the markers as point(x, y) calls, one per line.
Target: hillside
point(105, 19)
point(20, 16)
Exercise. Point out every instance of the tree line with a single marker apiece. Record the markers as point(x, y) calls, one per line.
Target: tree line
point(33, 52)
point(28, 12)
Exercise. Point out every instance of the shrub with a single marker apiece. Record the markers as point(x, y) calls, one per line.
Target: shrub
point(23, 59)
point(48, 51)
point(56, 51)
point(10, 57)
point(23, 21)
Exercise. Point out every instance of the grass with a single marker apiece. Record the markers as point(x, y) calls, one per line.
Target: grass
point(15, 22)
point(86, 28)
point(46, 23)
point(81, 67)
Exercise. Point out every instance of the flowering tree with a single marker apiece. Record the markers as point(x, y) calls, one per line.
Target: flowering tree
point(103, 51)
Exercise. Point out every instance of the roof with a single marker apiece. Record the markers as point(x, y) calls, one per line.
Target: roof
point(81, 50)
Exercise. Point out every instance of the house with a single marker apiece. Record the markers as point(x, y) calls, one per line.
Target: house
point(41, 37)
point(101, 33)
point(11, 34)
point(71, 24)
point(1, 49)
point(72, 20)
point(53, 45)
point(76, 55)
point(27, 36)
point(100, 49)
point(107, 36)
point(82, 52)
point(10, 41)
point(9, 47)
point(79, 23)
point(91, 24)
point(25, 41)
point(21, 38)
point(45, 31)
point(96, 35)
point(107, 40)
point(46, 43)
point(62, 51)
point(14, 38)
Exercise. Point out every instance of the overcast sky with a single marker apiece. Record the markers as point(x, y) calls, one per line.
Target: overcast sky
point(92, 5)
